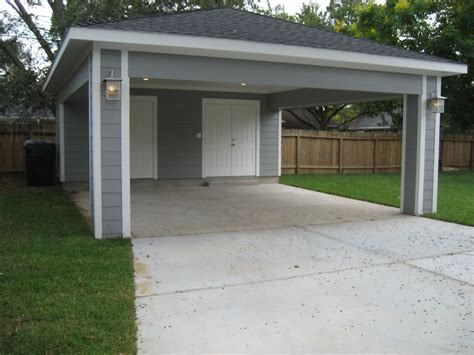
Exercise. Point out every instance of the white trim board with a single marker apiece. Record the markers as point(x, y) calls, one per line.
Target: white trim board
point(436, 152)
point(280, 123)
point(257, 103)
point(404, 142)
point(125, 146)
point(95, 85)
point(249, 50)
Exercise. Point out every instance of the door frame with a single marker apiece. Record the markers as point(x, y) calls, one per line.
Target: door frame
point(256, 103)
point(154, 101)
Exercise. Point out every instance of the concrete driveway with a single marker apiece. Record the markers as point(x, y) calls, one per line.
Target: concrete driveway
point(360, 279)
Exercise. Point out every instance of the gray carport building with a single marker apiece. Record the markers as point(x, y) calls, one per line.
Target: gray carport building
point(201, 94)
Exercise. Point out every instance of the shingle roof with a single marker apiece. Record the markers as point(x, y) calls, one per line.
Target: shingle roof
point(224, 22)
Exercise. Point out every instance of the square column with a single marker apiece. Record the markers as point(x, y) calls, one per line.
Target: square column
point(419, 185)
point(109, 137)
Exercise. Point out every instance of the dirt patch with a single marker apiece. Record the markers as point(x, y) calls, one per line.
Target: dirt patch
point(12, 182)
point(144, 282)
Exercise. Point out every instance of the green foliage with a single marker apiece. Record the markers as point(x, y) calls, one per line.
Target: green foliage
point(443, 28)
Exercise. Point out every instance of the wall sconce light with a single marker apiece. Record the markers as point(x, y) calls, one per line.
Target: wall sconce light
point(436, 103)
point(112, 87)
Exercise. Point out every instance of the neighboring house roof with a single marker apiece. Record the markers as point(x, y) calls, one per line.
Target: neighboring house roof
point(364, 123)
point(224, 22)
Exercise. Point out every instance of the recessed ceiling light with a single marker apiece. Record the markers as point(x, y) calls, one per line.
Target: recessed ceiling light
point(243, 84)
point(146, 79)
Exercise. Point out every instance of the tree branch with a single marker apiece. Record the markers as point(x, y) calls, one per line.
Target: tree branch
point(25, 16)
point(11, 54)
point(307, 123)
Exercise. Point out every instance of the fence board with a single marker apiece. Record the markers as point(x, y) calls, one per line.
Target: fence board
point(12, 138)
point(361, 152)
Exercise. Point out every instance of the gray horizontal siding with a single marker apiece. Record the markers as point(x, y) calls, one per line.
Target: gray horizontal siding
point(180, 118)
point(429, 152)
point(111, 151)
point(76, 142)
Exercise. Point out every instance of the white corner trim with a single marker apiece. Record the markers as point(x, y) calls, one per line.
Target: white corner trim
point(125, 146)
point(436, 152)
point(62, 160)
point(280, 122)
point(257, 140)
point(95, 85)
point(421, 154)
point(404, 142)
point(155, 138)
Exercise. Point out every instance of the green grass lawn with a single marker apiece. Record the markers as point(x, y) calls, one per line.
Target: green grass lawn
point(456, 191)
point(61, 291)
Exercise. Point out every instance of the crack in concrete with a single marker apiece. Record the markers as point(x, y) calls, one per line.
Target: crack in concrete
point(267, 281)
point(401, 261)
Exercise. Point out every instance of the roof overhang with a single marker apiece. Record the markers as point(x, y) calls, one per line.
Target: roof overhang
point(79, 40)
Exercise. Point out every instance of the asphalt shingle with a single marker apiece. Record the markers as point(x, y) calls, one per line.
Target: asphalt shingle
point(243, 25)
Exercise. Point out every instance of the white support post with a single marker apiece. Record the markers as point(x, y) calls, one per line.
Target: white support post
point(436, 151)
point(420, 152)
point(96, 197)
point(280, 122)
point(403, 168)
point(125, 135)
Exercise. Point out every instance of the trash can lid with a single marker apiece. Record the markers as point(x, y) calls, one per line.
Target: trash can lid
point(37, 142)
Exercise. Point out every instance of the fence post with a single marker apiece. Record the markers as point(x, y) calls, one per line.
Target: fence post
point(297, 163)
point(340, 155)
point(375, 155)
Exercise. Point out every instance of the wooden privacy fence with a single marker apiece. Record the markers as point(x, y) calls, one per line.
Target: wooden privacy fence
point(302, 151)
point(12, 138)
point(306, 152)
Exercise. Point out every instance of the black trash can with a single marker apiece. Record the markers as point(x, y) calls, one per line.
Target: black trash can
point(40, 162)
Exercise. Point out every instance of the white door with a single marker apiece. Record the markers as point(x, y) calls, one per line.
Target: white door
point(142, 137)
point(244, 119)
point(230, 137)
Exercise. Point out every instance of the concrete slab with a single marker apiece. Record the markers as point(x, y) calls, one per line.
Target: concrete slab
point(194, 210)
point(175, 264)
point(384, 308)
point(457, 266)
point(404, 237)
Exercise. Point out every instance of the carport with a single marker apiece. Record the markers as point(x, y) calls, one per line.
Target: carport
point(199, 94)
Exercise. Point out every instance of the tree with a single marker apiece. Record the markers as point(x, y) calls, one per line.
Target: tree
point(340, 116)
point(440, 27)
point(22, 74)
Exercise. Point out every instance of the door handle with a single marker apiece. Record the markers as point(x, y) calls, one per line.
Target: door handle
point(232, 144)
